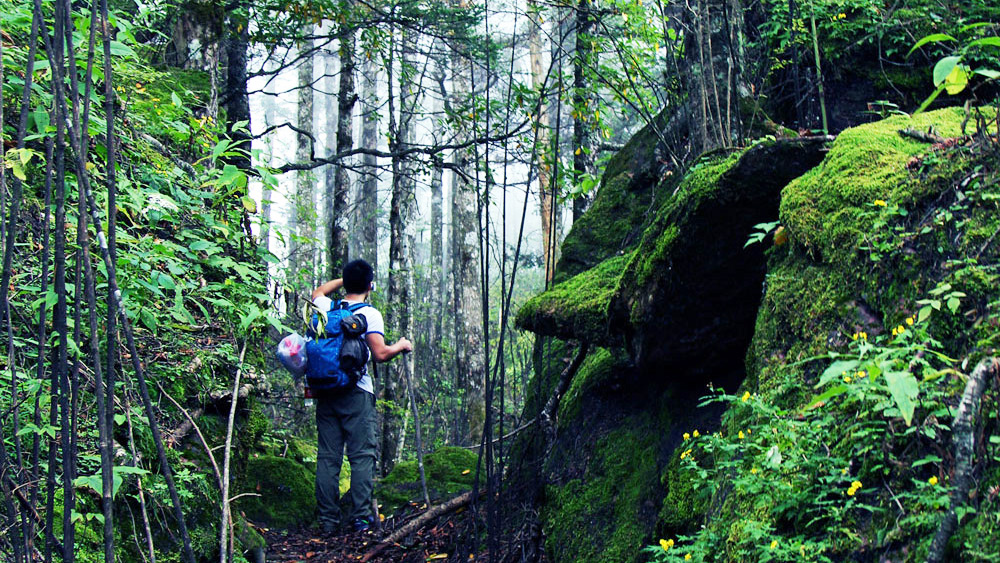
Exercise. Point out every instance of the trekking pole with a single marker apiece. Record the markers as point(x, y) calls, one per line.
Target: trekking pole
point(407, 370)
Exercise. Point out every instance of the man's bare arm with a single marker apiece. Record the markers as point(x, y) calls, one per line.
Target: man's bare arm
point(383, 352)
point(328, 288)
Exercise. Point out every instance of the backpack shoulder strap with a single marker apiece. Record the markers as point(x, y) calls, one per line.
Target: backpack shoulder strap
point(355, 307)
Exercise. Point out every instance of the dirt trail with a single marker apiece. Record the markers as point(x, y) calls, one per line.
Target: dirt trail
point(437, 541)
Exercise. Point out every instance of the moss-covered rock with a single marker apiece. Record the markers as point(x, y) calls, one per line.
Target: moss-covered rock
point(449, 471)
point(874, 228)
point(630, 189)
point(286, 492)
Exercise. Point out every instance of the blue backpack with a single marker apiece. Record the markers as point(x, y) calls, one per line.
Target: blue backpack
point(337, 352)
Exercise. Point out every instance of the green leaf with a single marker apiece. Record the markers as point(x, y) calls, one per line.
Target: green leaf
point(953, 304)
point(924, 314)
point(199, 245)
point(166, 281)
point(988, 73)
point(986, 42)
point(957, 80)
point(249, 204)
point(827, 395)
point(120, 49)
point(932, 38)
point(943, 69)
point(836, 371)
point(176, 99)
point(904, 390)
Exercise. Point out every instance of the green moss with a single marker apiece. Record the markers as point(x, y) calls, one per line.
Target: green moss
point(629, 187)
point(821, 209)
point(449, 471)
point(600, 517)
point(683, 505)
point(599, 366)
point(286, 489)
point(579, 306)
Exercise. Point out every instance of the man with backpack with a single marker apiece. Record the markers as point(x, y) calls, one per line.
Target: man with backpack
point(345, 416)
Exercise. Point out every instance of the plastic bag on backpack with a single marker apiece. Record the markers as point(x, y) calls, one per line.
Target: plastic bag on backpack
point(292, 354)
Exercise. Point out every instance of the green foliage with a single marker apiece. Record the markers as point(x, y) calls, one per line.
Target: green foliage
point(813, 481)
point(953, 72)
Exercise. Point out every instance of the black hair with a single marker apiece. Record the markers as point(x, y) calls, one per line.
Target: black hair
point(358, 276)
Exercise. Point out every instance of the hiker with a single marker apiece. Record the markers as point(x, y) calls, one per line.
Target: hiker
point(347, 417)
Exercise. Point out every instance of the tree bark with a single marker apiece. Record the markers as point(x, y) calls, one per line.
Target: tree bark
point(546, 191)
point(583, 110)
point(301, 255)
point(346, 98)
point(366, 218)
point(237, 99)
point(470, 365)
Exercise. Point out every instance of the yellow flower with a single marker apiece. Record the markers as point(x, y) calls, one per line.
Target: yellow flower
point(900, 329)
point(847, 379)
point(741, 435)
point(909, 321)
point(753, 470)
point(854, 336)
point(855, 485)
point(687, 436)
point(687, 556)
point(666, 544)
point(695, 434)
point(864, 336)
point(802, 550)
point(843, 471)
point(774, 544)
point(879, 203)
point(745, 397)
point(933, 480)
point(894, 333)
point(861, 373)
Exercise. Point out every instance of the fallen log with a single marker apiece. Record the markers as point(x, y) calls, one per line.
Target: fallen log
point(963, 438)
point(419, 522)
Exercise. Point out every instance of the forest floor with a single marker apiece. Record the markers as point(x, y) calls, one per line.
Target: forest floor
point(437, 541)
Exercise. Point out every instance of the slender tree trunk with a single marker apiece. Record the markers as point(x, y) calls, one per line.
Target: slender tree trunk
point(399, 290)
point(328, 205)
point(302, 254)
point(546, 191)
point(714, 57)
point(584, 104)
point(470, 365)
point(237, 99)
point(433, 362)
point(367, 206)
point(346, 98)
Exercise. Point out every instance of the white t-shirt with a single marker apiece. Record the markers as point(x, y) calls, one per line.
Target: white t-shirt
point(376, 325)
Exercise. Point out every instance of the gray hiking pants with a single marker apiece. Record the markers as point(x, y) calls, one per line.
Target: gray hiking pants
point(345, 419)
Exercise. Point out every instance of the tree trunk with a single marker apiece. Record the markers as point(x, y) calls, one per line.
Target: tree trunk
point(301, 255)
point(237, 98)
point(583, 105)
point(546, 191)
point(366, 218)
point(346, 97)
point(714, 57)
point(470, 367)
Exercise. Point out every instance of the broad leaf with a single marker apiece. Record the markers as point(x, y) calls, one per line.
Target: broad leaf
point(932, 38)
point(836, 371)
point(943, 69)
point(904, 390)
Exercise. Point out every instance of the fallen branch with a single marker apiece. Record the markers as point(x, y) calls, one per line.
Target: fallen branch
point(420, 521)
point(963, 439)
point(552, 405)
point(921, 136)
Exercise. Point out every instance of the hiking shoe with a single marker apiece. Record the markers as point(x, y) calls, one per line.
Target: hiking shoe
point(360, 525)
point(329, 528)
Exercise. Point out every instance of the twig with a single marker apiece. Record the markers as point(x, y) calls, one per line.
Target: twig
point(185, 428)
point(963, 440)
point(552, 405)
point(921, 136)
point(432, 513)
point(224, 547)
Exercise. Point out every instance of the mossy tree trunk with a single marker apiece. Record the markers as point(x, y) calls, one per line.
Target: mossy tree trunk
point(346, 98)
point(366, 222)
point(303, 221)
